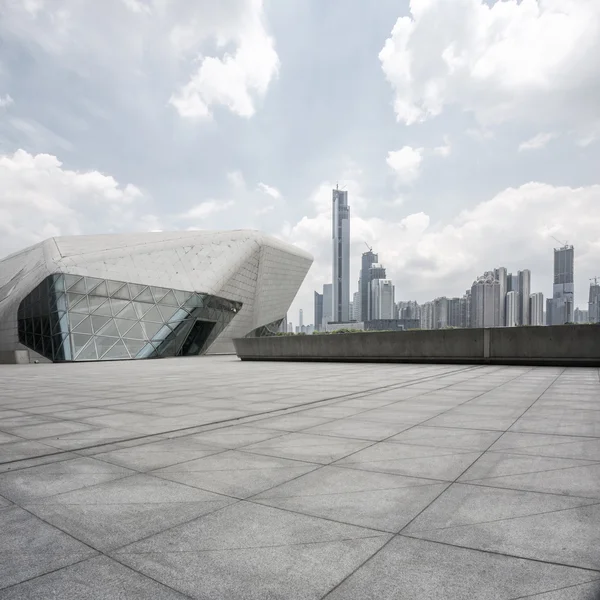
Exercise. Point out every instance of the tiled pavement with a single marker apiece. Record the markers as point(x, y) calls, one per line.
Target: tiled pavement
point(216, 479)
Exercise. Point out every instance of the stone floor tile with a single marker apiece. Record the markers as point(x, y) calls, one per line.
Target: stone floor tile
point(569, 536)
point(411, 569)
point(470, 504)
point(29, 547)
point(99, 578)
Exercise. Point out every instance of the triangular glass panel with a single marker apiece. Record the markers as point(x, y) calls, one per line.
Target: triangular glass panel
point(113, 286)
point(136, 332)
point(168, 349)
point(145, 296)
point(181, 297)
point(79, 340)
point(141, 308)
point(136, 289)
point(153, 315)
point(81, 307)
point(160, 334)
point(71, 280)
point(61, 302)
point(98, 322)
point(74, 299)
point(158, 293)
point(59, 283)
point(84, 327)
point(128, 312)
point(123, 293)
point(104, 343)
point(119, 350)
point(91, 283)
point(117, 305)
point(95, 302)
point(124, 325)
point(101, 290)
point(151, 329)
point(75, 319)
point(104, 309)
point(89, 352)
point(135, 346)
point(167, 312)
point(110, 329)
point(79, 287)
point(170, 299)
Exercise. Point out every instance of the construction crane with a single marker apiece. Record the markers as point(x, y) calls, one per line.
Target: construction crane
point(566, 243)
point(369, 247)
point(595, 279)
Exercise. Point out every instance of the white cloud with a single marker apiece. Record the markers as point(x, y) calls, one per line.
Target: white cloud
point(445, 150)
point(206, 209)
point(39, 198)
point(236, 179)
point(269, 190)
point(406, 164)
point(198, 54)
point(265, 209)
point(6, 101)
point(428, 259)
point(235, 80)
point(539, 141)
point(536, 59)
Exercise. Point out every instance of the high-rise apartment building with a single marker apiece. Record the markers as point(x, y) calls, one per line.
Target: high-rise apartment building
point(594, 302)
point(485, 301)
point(376, 271)
point(356, 305)
point(536, 309)
point(382, 299)
point(341, 256)
point(512, 309)
point(559, 308)
point(427, 315)
point(368, 259)
point(327, 305)
point(525, 292)
point(581, 316)
point(501, 276)
point(318, 316)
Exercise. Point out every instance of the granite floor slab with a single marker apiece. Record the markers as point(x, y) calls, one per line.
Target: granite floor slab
point(338, 481)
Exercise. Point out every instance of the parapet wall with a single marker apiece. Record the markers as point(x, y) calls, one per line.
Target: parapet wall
point(568, 345)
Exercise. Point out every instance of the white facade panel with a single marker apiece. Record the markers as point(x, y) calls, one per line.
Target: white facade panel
point(261, 272)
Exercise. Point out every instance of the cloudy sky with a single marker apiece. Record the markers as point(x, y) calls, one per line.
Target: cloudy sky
point(467, 132)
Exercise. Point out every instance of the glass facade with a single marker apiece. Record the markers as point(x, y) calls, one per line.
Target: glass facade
point(74, 318)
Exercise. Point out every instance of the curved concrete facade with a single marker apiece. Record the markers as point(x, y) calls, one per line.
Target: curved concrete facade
point(247, 274)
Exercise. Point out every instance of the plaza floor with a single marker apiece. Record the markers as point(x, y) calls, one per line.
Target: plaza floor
point(212, 478)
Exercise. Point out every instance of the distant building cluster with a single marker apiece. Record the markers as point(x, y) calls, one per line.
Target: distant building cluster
point(495, 299)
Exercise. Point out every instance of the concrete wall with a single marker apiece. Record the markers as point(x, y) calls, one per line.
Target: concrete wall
point(558, 345)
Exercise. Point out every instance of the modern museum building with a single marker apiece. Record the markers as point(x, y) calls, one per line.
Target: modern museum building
point(144, 295)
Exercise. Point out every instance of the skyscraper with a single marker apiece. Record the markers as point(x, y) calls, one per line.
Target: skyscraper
point(525, 292)
point(356, 311)
point(536, 309)
point(376, 271)
point(327, 305)
point(501, 276)
point(301, 318)
point(341, 255)
point(594, 302)
point(512, 309)
point(485, 301)
point(382, 299)
point(559, 308)
point(318, 317)
point(368, 259)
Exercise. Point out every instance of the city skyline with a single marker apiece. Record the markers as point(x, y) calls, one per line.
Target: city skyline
point(448, 170)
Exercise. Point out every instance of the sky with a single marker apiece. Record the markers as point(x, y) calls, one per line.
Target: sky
point(467, 132)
